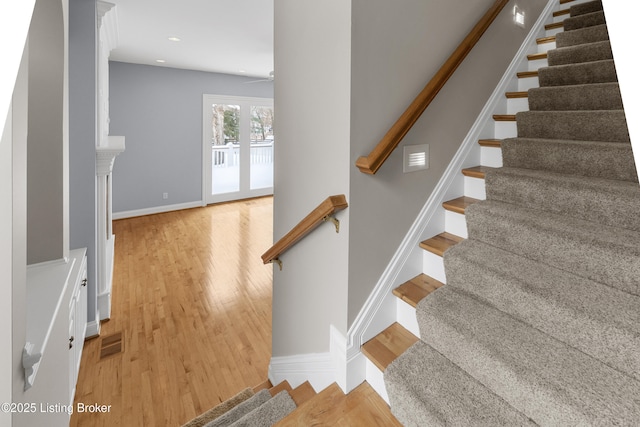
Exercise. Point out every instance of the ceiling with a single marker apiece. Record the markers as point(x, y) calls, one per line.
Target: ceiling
point(224, 36)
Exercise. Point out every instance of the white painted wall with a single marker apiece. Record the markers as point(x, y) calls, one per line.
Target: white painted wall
point(312, 109)
point(624, 35)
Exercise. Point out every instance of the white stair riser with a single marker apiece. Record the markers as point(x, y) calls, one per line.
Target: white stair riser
point(406, 316)
point(474, 187)
point(432, 265)
point(527, 83)
point(505, 130)
point(546, 47)
point(515, 105)
point(491, 156)
point(376, 380)
point(455, 223)
point(536, 64)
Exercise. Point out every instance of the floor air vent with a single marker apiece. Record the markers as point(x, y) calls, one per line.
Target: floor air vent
point(110, 345)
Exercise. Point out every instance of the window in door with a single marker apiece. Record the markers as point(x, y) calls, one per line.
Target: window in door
point(238, 144)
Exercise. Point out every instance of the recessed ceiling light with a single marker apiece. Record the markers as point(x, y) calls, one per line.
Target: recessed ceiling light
point(160, 61)
point(174, 39)
point(242, 71)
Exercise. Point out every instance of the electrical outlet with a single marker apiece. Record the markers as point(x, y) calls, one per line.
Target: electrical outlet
point(165, 196)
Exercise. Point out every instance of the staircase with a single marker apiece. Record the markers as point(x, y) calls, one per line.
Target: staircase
point(539, 320)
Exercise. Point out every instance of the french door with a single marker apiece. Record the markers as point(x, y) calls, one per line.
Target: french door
point(237, 147)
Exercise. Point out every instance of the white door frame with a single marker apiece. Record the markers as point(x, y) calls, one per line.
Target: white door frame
point(245, 143)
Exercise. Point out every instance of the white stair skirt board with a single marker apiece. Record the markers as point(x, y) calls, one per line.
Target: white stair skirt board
point(456, 223)
point(406, 261)
point(406, 316)
point(474, 187)
point(317, 368)
point(491, 156)
point(375, 378)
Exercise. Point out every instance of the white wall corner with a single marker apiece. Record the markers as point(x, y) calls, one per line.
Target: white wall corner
point(317, 368)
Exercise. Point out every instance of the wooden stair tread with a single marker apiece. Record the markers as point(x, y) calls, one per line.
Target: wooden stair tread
point(543, 40)
point(566, 1)
point(414, 290)
point(362, 406)
point(458, 205)
point(504, 117)
point(490, 142)
point(561, 12)
point(385, 347)
point(536, 56)
point(478, 171)
point(284, 385)
point(554, 25)
point(527, 74)
point(440, 243)
point(302, 393)
point(519, 94)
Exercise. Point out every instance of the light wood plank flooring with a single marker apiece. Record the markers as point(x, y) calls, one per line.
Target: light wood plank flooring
point(193, 302)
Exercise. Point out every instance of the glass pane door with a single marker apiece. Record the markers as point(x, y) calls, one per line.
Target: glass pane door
point(225, 148)
point(261, 147)
point(238, 150)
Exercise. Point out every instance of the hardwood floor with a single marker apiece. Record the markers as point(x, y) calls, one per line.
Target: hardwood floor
point(192, 300)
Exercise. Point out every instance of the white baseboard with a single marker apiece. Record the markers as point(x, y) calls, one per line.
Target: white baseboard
point(104, 305)
point(157, 209)
point(93, 329)
point(317, 368)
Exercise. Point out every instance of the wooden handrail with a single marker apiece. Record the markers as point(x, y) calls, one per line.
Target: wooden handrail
point(371, 163)
point(323, 212)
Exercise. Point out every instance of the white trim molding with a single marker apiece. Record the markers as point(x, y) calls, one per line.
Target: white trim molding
point(157, 209)
point(317, 368)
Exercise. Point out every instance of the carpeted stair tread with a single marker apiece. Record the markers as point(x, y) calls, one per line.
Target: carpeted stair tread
point(600, 125)
point(597, 51)
point(220, 409)
point(598, 320)
point(269, 413)
point(582, 35)
point(584, 158)
point(576, 74)
point(586, 7)
point(241, 410)
point(583, 21)
point(549, 381)
point(426, 388)
point(598, 96)
point(594, 251)
point(603, 201)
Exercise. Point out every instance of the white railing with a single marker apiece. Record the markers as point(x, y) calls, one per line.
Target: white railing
point(226, 156)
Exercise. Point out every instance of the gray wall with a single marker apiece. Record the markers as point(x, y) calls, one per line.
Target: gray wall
point(82, 138)
point(159, 111)
point(47, 197)
point(396, 49)
point(312, 163)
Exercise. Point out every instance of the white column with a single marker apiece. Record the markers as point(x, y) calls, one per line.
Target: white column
point(105, 157)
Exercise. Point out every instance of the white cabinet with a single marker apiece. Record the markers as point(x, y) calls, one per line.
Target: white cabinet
point(56, 328)
point(77, 323)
